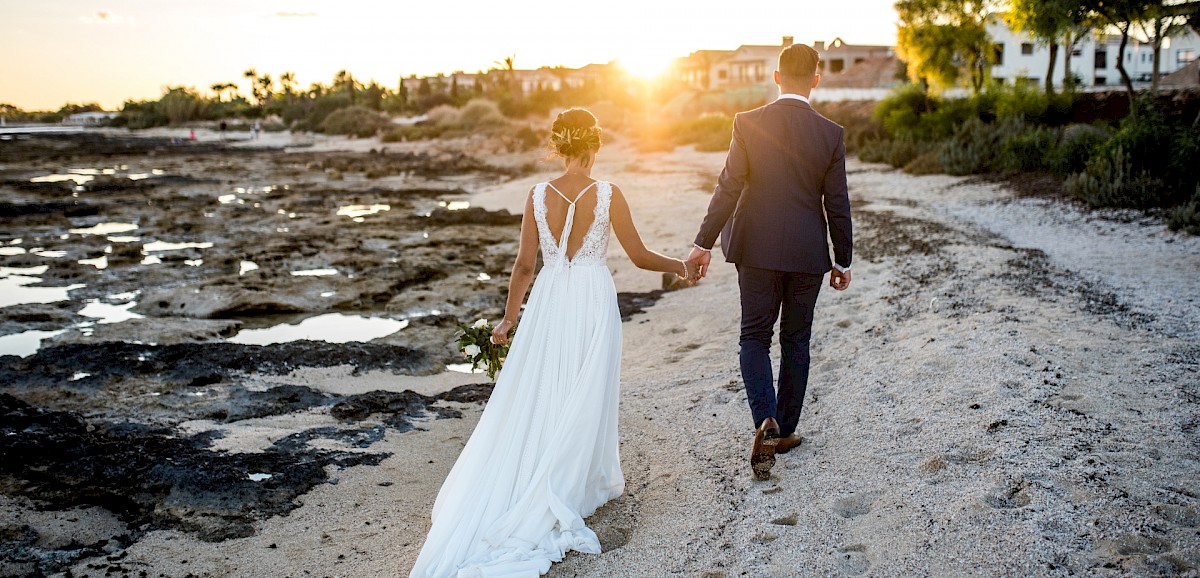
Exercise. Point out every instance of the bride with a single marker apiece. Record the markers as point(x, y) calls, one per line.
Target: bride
point(544, 454)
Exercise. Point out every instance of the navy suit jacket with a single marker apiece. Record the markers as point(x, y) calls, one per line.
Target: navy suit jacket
point(782, 194)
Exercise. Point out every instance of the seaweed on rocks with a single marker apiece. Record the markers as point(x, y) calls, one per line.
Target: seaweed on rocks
point(152, 478)
point(399, 407)
point(200, 363)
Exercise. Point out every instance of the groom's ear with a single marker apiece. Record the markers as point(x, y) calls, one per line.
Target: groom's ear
point(777, 78)
point(816, 79)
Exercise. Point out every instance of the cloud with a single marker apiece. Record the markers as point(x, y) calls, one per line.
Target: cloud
point(296, 14)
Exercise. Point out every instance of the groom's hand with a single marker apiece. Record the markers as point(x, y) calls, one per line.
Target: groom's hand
point(839, 280)
point(701, 258)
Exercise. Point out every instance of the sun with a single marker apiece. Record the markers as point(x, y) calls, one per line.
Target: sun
point(645, 66)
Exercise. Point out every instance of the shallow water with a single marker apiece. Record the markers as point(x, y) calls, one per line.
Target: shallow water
point(15, 287)
point(155, 246)
point(105, 229)
point(331, 328)
point(315, 273)
point(26, 343)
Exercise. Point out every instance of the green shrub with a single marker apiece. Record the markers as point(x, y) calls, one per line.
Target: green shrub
point(1112, 180)
point(1075, 147)
point(481, 113)
point(354, 120)
point(976, 145)
point(857, 118)
point(896, 152)
point(1145, 163)
point(1186, 218)
point(928, 163)
point(412, 132)
point(1029, 151)
point(710, 132)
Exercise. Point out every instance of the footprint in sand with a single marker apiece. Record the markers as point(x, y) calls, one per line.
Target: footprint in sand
point(852, 560)
point(855, 505)
point(613, 537)
point(1179, 515)
point(788, 520)
point(1014, 494)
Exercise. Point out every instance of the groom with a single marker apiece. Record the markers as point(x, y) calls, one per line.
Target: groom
point(781, 194)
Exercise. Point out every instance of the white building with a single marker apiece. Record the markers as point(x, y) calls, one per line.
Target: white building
point(755, 64)
point(1093, 60)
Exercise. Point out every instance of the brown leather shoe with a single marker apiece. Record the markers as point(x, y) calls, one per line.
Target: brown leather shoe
point(786, 444)
point(762, 455)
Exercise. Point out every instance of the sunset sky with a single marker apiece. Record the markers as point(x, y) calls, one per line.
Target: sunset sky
point(107, 51)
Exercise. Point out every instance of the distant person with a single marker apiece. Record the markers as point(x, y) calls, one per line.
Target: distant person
point(781, 195)
point(544, 454)
point(255, 130)
point(222, 127)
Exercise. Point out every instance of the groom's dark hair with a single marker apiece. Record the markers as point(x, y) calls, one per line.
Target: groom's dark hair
point(798, 63)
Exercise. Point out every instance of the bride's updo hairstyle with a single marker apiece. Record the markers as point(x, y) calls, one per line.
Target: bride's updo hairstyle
point(574, 134)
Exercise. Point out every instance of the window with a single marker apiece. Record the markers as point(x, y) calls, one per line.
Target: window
point(723, 74)
point(1026, 48)
point(998, 53)
point(1100, 81)
point(1077, 52)
point(1185, 56)
point(836, 65)
point(1101, 60)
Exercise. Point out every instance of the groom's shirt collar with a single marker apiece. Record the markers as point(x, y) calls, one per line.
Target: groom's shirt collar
point(799, 97)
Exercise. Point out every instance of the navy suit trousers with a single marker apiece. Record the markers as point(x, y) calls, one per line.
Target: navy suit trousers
point(765, 294)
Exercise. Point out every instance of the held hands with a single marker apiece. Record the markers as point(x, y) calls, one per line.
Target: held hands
point(500, 333)
point(700, 259)
point(839, 280)
point(688, 271)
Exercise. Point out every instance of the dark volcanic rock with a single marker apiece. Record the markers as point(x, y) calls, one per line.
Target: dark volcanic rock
point(398, 407)
point(472, 216)
point(151, 478)
point(183, 363)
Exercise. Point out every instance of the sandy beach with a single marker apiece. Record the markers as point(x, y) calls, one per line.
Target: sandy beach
point(1011, 387)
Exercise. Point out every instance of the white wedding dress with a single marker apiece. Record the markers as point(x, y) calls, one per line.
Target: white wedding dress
point(544, 454)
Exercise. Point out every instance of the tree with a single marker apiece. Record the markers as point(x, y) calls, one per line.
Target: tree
point(344, 80)
point(1048, 21)
point(1121, 14)
point(940, 40)
point(252, 74)
point(1161, 22)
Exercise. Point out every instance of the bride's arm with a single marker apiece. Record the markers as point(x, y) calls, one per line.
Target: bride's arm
point(631, 241)
point(522, 273)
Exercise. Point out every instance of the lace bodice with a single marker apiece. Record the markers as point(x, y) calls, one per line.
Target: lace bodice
point(595, 241)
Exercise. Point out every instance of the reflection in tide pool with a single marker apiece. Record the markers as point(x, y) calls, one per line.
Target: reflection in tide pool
point(455, 205)
point(151, 260)
point(9, 251)
point(100, 262)
point(356, 211)
point(14, 289)
point(26, 343)
point(246, 267)
point(105, 229)
point(463, 368)
point(123, 239)
point(104, 313)
point(331, 328)
point(315, 273)
point(154, 246)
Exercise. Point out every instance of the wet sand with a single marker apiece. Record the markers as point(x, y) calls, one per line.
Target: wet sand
point(999, 393)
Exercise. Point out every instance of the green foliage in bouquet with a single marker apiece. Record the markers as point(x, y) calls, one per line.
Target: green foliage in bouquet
point(475, 343)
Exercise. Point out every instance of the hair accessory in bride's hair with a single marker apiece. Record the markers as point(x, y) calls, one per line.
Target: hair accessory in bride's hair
point(571, 142)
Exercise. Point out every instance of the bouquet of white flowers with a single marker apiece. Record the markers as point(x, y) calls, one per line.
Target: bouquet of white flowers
point(475, 342)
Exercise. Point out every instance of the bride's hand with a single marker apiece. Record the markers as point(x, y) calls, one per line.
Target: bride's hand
point(500, 333)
